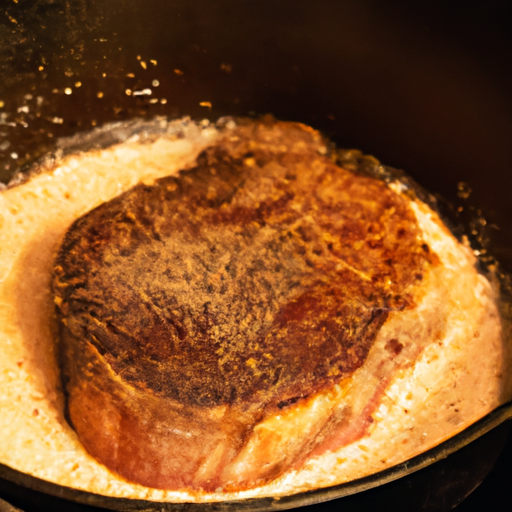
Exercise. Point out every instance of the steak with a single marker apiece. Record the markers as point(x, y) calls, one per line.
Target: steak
point(198, 308)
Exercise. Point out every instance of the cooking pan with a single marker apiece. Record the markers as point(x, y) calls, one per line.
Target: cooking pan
point(425, 87)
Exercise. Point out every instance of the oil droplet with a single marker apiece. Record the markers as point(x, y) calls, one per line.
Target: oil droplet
point(144, 92)
point(463, 190)
point(155, 83)
point(68, 91)
point(14, 156)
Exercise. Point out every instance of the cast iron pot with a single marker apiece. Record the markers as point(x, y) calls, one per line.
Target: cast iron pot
point(424, 87)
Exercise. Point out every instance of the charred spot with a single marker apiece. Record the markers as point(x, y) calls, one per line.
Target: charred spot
point(290, 401)
point(394, 347)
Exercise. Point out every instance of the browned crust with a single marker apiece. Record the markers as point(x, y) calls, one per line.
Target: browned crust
point(257, 278)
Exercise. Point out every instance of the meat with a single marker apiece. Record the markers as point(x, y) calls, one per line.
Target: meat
point(263, 318)
point(194, 310)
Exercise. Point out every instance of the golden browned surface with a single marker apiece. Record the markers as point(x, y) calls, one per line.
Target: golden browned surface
point(256, 279)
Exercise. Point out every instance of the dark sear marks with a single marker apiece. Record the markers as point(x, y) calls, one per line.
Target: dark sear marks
point(257, 278)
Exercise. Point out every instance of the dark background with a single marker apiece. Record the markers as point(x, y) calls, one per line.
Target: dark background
point(423, 86)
